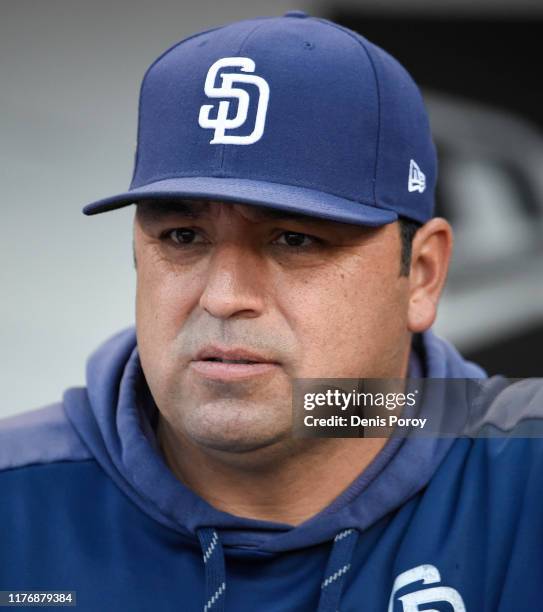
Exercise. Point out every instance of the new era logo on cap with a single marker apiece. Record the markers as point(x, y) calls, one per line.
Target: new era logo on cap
point(417, 178)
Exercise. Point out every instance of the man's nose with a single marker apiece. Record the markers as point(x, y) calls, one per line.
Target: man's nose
point(234, 283)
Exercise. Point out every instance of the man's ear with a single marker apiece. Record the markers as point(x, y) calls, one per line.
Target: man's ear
point(430, 255)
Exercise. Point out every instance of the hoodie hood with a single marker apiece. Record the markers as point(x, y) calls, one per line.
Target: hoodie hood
point(116, 418)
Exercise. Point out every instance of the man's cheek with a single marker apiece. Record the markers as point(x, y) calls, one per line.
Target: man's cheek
point(161, 308)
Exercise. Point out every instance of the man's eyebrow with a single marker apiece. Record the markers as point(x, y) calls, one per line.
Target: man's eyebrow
point(194, 209)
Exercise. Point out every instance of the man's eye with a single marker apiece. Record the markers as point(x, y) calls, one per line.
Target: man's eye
point(186, 236)
point(297, 239)
point(183, 235)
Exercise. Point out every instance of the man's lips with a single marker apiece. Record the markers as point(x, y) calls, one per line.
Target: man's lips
point(231, 364)
point(217, 353)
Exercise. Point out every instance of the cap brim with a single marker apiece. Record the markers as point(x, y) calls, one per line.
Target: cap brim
point(260, 193)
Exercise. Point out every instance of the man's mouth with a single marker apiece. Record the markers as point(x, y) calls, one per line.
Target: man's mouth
point(231, 364)
point(230, 360)
point(232, 355)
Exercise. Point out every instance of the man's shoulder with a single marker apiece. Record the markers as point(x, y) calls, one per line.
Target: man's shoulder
point(520, 455)
point(508, 415)
point(500, 470)
point(40, 436)
point(501, 457)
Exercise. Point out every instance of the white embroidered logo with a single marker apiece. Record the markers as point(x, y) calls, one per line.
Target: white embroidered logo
point(226, 90)
point(417, 178)
point(428, 574)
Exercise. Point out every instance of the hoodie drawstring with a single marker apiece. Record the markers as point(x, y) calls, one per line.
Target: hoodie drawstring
point(214, 566)
point(339, 563)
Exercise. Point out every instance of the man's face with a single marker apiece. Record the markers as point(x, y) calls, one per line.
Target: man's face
point(304, 297)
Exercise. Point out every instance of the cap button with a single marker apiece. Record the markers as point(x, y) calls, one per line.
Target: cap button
point(299, 14)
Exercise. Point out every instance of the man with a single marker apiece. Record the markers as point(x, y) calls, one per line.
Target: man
point(284, 186)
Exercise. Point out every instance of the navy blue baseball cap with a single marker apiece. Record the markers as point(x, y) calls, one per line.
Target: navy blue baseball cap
point(295, 113)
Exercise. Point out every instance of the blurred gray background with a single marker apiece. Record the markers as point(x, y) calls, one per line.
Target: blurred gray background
point(70, 73)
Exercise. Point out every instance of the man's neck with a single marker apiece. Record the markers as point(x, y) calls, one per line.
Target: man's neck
point(289, 491)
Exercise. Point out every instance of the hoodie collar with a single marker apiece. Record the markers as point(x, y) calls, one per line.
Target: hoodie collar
point(116, 417)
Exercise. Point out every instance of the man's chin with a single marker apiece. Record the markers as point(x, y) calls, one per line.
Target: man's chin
point(239, 445)
point(247, 452)
point(231, 421)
